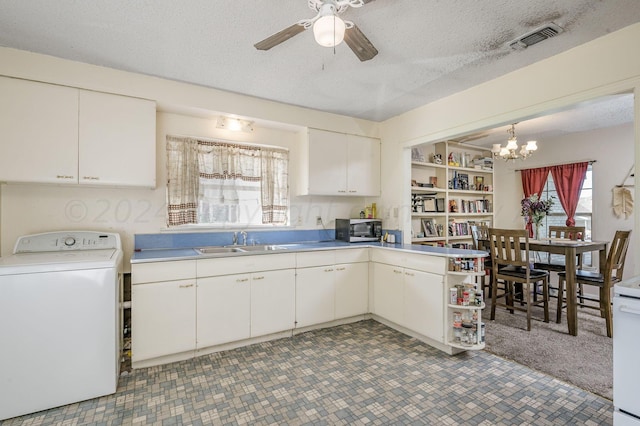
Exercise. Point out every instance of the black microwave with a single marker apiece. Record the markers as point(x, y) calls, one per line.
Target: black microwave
point(358, 230)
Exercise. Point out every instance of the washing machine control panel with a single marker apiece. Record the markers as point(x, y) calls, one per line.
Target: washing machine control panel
point(67, 240)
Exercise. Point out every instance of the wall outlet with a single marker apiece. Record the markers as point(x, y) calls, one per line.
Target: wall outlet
point(318, 220)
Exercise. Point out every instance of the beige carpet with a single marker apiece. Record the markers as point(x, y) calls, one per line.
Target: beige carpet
point(585, 360)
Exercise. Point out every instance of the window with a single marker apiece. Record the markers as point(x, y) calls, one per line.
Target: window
point(222, 183)
point(584, 211)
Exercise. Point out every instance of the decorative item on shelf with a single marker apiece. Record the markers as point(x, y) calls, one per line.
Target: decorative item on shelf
point(429, 228)
point(437, 159)
point(510, 151)
point(417, 154)
point(534, 211)
point(433, 180)
point(478, 182)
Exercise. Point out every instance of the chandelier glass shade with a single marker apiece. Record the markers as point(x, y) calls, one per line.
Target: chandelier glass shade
point(510, 151)
point(328, 30)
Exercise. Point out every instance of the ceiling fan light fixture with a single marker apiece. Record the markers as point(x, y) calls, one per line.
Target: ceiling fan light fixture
point(328, 30)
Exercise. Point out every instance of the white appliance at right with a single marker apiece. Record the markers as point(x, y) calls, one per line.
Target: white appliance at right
point(626, 352)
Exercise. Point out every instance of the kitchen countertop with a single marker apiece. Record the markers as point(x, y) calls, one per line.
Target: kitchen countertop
point(172, 254)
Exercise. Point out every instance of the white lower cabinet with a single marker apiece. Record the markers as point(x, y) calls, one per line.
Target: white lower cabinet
point(273, 302)
point(181, 306)
point(315, 295)
point(163, 311)
point(223, 309)
point(408, 289)
point(163, 318)
point(388, 292)
point(351, 289)
point(423, 303)
point(327, 290)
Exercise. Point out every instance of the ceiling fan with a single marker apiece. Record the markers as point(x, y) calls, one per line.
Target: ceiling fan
point(328, 28)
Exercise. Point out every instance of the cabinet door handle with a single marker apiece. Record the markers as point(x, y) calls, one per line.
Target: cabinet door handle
point(328, 270)
point(342, 191)
point(352, 191)
point(64, 177)
point(397, 271)
point(185, 285)
point(410, 274)
point(341, 269)
point(259, 278)
point(241, 280)
point(90, 178)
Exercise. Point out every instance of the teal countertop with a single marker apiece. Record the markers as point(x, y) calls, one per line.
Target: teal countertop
point(172, 254)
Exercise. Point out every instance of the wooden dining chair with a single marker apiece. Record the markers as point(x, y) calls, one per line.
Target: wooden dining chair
point(573, 233)
point(480, 237)
point(604, 280)
point(510, 258)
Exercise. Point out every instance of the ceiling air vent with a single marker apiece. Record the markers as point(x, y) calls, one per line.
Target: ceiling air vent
point(536, 36)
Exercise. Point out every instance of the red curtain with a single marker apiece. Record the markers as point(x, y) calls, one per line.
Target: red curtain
point(569, 179)
point(533, 181)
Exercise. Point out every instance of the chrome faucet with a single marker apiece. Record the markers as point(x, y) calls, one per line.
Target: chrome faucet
point(244, 238)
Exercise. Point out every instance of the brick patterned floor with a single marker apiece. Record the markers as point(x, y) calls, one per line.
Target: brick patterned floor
point(356, 374)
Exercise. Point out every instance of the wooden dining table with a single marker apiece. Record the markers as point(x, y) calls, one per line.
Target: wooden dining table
point(570, 249)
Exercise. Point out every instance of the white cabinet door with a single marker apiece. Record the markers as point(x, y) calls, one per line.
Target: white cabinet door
point(117, 140)
point(223, 309)
point(424, 303)
point(39, 126)
point(327, 163)
point(163, 318)
point(363, 166)
point(315, 291)
point(273, 301)
point(388, 288)
point(341, 164)
point(351, 289)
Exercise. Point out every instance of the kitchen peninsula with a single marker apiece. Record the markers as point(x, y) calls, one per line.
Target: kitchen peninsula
point(194, 300)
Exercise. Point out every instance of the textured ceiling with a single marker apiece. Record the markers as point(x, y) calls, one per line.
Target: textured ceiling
point(428, 48)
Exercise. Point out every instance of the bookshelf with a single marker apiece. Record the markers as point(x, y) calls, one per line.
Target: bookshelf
point(451, 189)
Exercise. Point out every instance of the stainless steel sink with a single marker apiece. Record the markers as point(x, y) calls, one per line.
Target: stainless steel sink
point(219, 250)
point(267, 247)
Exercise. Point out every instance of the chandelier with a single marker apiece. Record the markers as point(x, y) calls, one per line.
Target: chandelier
point(510, 152)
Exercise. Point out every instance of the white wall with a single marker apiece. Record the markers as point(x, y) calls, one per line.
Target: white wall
point(611, 148)
point(603, 66)
point(183, 110)
point(32, 208)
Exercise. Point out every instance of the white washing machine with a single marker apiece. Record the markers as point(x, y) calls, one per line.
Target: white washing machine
point(60, 320)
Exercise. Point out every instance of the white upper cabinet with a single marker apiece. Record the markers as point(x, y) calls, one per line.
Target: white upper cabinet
point(117, 140)
point(363, 166)
point(58, 134)
point(340, 164)
point(38, 132)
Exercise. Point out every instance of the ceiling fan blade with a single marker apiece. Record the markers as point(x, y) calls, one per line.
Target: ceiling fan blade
point(279, 37)
point(360, 44)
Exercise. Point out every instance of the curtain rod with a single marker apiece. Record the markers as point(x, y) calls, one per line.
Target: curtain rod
point(553, 165)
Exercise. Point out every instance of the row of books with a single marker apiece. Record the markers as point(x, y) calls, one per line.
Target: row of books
point(475, 206)
point(457, 229)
